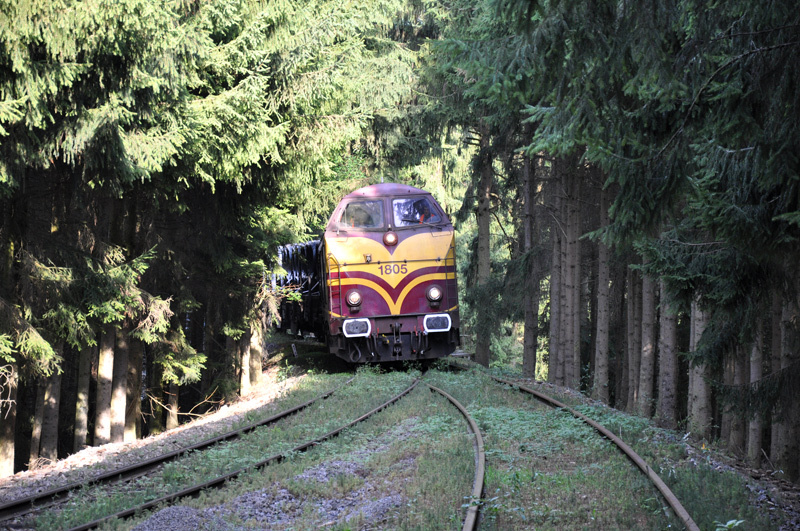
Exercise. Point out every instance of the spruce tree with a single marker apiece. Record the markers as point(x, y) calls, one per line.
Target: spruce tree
point(152, 155)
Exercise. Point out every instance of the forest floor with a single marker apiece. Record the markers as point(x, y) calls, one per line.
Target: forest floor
point(770, 494)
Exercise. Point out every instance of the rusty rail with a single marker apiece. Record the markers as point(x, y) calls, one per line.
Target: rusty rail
point(23, 506)
point(221, 480)
point(669, 496)
point(471, 519)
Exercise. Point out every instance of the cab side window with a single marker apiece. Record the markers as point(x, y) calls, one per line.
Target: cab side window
point(363, 215)
point(411, 211)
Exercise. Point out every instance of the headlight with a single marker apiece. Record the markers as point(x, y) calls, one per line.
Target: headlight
point(356, 328)
point(437, 322)
point(353, 298)
point(390, 238)
point(434, 293)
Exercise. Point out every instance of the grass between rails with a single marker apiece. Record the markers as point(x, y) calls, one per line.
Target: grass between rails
point(409, 467)
point(287, 394)
point(711, 494)
point(546, 469)
point(362, 395)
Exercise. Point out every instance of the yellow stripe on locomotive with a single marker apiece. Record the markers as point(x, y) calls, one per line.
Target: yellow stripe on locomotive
point(413, 256)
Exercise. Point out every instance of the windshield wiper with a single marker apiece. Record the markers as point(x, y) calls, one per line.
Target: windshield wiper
point(418, 222)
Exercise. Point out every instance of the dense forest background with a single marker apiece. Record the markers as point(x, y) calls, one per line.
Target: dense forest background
point(624, 176)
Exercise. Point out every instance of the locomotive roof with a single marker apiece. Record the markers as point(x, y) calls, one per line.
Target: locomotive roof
point(383, 189)
point(379, 191)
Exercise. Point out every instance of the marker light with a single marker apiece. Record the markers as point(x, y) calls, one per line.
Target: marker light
point(434, 293)
point(390, 239)
point(353, 298)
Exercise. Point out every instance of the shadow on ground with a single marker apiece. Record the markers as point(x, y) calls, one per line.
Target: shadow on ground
point(294, 355)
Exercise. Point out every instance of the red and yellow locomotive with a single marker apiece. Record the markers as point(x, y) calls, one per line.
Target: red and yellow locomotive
point(383, 285)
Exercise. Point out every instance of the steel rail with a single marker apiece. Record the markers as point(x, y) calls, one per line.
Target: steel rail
point(662, 487)
point(221, 480)
point(30, 504)
point(471, 518)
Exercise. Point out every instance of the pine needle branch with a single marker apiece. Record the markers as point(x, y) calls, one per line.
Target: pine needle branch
point(716, 72)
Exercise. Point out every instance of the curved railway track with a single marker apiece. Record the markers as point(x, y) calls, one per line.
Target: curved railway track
point(471, 519)
point(23, 506)
point(629, 452)
point(221, 480)
point(637, 460)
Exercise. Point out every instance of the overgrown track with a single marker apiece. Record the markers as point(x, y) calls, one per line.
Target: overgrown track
point(221, 480)
point(671, 499)
point(471, 519)
point(37, 502)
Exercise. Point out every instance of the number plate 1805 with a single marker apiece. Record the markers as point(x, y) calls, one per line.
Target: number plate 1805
point(393, 269)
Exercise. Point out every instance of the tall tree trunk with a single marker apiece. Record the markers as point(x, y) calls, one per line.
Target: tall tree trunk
point(105, 377)
point(155, 422)
point(232, 359)
point(532, 283)
point(630, 350)
point(172, 408)
point(133, 411)
point(484, 272)
point(256, 353)
point(555, 369)
point(786, 457)
point(48, 448)
point(574, 250)
point(729, 368)
point(566, 346)
point(738, 440)
point(244, 361)
point(565, 323)
point(9, 377)
point(119, 385)
point(699, 394)
point(647, 366)
point(570, 272)
point(667, 410)
point(8, 419)
point(600, 387)
point(754, 433)
point(634, 338)
point(49, 443)
point(617, 337)
point(775, 367)
point(82, 402)
point(38, 419)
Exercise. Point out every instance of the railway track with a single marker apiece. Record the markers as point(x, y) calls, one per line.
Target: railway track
point(640, 463)
point(471, 518)
point(637, 460)
point(469, 511)
point(222, 480)
point(476, 498)
point(27, 505)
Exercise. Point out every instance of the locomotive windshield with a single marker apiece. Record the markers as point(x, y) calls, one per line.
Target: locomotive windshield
point(363, 214)
point(413, 211)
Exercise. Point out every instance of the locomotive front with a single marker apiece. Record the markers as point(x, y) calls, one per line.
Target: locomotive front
point(390, 276)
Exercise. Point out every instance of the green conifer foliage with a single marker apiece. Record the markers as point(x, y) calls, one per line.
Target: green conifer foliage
point(153, 154)
point(692, 109)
